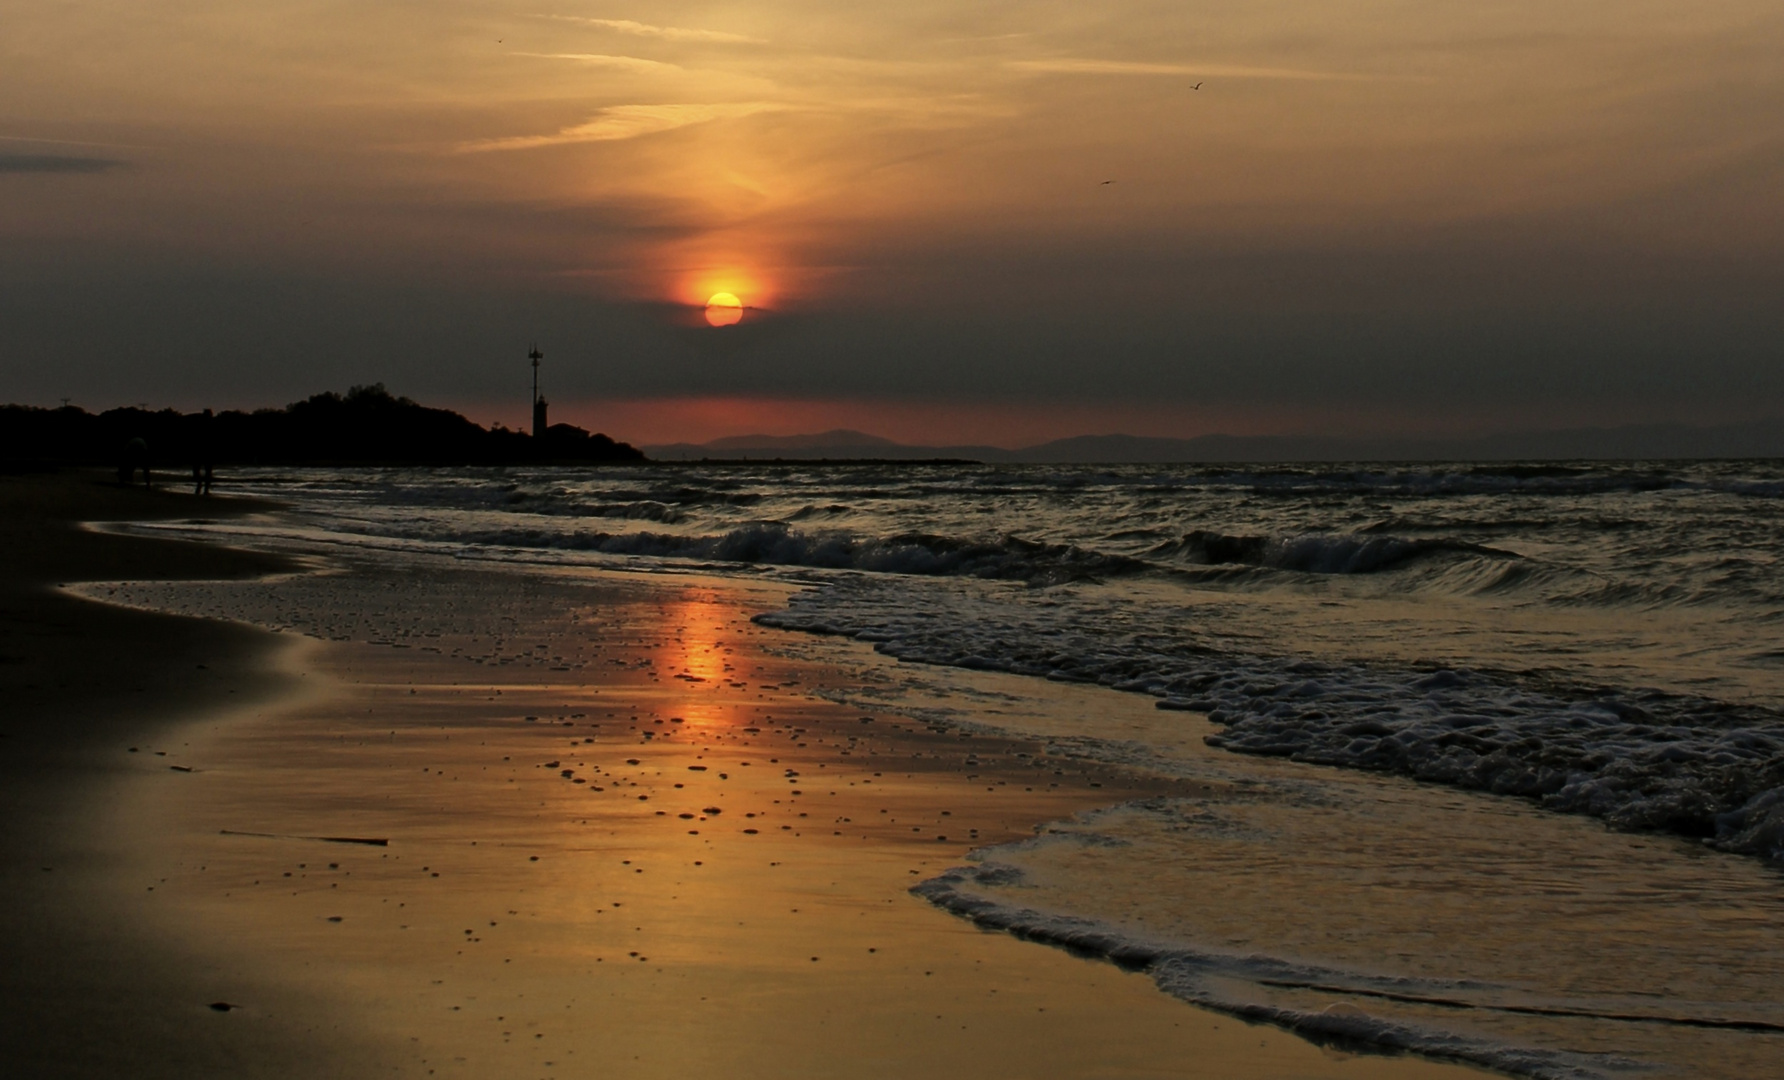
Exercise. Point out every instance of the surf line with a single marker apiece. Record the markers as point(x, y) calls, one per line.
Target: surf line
point(1527, 1010)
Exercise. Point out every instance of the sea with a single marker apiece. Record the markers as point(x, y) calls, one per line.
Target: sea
point(1494, 752)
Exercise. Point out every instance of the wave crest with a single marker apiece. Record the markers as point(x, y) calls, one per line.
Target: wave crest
point(1637, 759)
point(1209, 979)
point(1010, 558)
point(1313, 553)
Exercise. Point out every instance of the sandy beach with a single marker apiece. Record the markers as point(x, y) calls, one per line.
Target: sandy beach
point(797, 539)
point(621, 836)
point(88, 990)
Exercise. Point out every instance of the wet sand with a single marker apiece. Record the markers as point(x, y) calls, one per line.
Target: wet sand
point(86, 992)
point(624, 839)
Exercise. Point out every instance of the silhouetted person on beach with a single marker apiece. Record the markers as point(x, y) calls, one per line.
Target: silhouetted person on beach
point(203, 472)
point(136, 456)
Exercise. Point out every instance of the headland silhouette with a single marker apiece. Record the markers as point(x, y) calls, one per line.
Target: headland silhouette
point(367, 425)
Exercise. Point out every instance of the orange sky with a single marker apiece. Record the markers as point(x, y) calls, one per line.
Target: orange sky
point(1021, 216)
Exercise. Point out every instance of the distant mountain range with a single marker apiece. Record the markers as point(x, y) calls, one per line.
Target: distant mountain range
point(839, 439)
point(1757, 439)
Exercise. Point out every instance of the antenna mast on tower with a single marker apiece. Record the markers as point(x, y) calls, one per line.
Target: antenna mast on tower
point(535, 356)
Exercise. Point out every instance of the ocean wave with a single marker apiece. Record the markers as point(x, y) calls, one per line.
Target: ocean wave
point(1313, 553)
point(641, 510)
point(1612, 535)
point(1637, 759)
point(777, 544)
point(1211, 979)
point(809, 512)
point(1543, 481)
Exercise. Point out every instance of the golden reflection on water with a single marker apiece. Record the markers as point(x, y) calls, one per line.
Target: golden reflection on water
point(542, 905)
point(696, 647)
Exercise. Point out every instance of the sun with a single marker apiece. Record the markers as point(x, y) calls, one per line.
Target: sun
point(724, 309)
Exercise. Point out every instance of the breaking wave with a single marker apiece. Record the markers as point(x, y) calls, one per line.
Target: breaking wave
point(1010, 557)
point(1313, 553)
point(774, 544)
point(1638, 759)
point(1209, 979)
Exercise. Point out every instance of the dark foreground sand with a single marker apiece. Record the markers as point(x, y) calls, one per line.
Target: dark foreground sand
point(639, 849)
point(83, 991)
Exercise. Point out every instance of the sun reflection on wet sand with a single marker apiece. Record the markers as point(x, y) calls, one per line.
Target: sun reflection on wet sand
point(696, 649)
point(574, 881)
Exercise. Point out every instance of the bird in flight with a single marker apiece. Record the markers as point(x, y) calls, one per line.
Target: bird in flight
point(1105, 182)
point(1197, 86)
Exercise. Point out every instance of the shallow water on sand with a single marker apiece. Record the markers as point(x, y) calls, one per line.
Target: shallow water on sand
point(1536, 943)
point(621, 836)
point(1600, 637)
point(1348, 905)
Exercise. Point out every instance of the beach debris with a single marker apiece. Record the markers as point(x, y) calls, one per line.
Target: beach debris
point(370, 841)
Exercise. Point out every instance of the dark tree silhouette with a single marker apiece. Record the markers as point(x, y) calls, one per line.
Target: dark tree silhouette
point(365, 426)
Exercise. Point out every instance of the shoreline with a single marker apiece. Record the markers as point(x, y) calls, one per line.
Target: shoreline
point(86, 991)
point(522, 868)
point(1237, 866)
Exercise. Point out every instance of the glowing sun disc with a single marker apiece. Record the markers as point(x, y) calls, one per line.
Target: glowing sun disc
point(724, 309)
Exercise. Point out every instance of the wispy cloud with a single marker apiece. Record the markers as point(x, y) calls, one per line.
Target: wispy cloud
point(669, 33)
point(55, 163)
point(624, 63)
point(75, 142)
point(1079, 66)
point(626, 122)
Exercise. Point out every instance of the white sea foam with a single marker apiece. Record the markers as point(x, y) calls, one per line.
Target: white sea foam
point(1314, 553)
point(1637, 759)
point(1253, 986)
point(1217, 980)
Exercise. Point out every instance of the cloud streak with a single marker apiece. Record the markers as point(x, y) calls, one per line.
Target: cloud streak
point(668, 33)
point(75, 142)
point(1066, 65)
point(623, 63)
point(55, 163)
point(620, 122)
